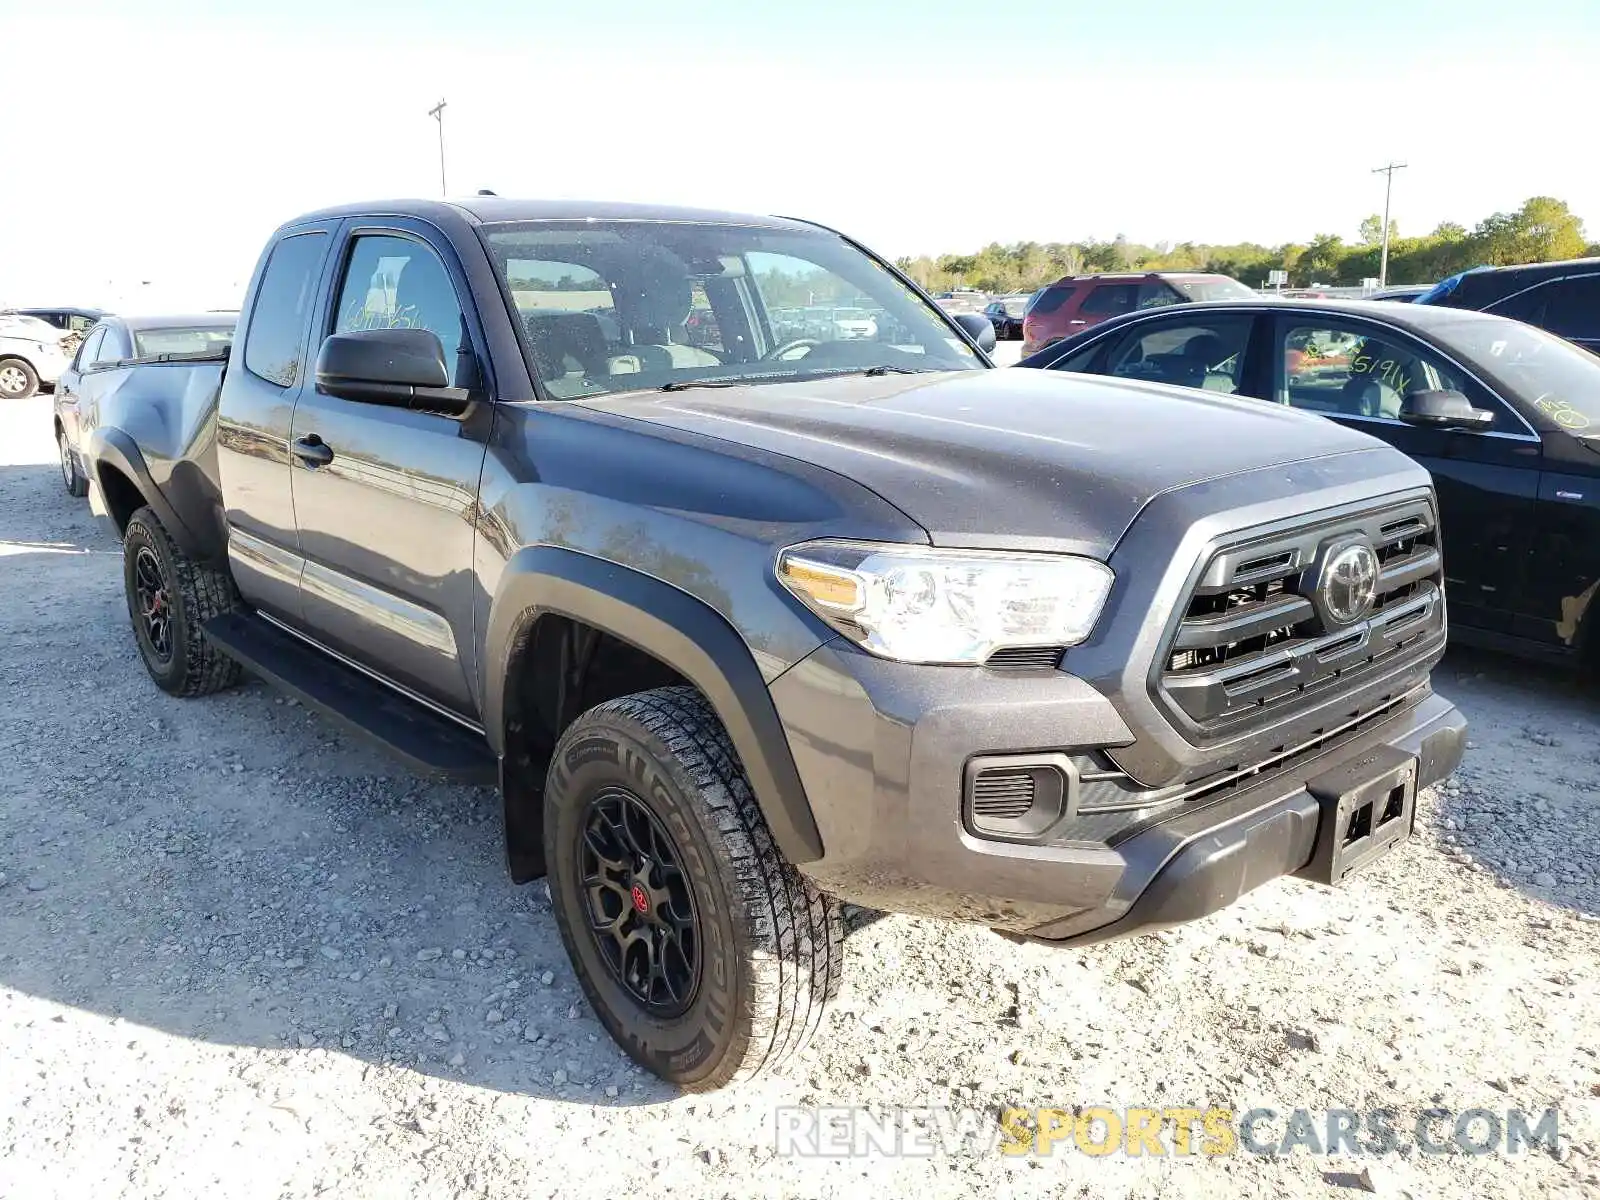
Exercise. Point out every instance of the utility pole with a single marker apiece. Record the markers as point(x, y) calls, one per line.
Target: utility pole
point(1388, 189)
point(437, 113)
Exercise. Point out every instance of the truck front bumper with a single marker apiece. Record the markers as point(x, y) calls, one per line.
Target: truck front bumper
point(882, 749)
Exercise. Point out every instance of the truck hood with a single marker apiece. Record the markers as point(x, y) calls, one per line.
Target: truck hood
point(1017, 459)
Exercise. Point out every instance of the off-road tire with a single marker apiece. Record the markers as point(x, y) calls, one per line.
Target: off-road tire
point(195, 593)
point(71, 478)
point(771, 944)
point(22, 371)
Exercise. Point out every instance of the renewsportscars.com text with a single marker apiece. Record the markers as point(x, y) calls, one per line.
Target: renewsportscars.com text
point(1168, 1130)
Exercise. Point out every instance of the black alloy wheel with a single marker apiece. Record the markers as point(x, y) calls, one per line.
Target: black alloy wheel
point(639, 902)
point(155, 603)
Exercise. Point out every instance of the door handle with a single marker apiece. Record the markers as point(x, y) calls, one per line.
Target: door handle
point(312, 451)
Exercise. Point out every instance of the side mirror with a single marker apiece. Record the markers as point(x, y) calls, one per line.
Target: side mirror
point(400, 367)
point(979, 328)
point(1444, 410)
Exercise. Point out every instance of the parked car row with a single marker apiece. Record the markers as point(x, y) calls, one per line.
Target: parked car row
point(825, 324)
point(1077, 302)
point(1505, 416)
point(1562, 297)
point(31, 355)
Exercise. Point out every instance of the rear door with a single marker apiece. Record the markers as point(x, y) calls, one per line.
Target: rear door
point(1572, 309)
point(386, 522)
point(267, 371)
point(1487, 482)
point(1104, 301)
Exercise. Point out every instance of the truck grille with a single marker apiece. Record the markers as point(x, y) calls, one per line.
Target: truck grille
point(1263, 630)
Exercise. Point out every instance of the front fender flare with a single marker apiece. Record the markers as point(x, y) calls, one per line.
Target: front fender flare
point(678, 629)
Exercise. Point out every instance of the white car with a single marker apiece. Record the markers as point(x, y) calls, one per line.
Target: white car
point(853, 323)
point(30, 354)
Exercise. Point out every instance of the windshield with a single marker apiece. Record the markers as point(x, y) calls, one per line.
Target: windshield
point(620, 306)
point(1558, 378)
point(147, 343)
point(1214, 287)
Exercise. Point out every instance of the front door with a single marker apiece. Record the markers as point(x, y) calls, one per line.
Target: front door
point(386, 521)
point(1487, 482)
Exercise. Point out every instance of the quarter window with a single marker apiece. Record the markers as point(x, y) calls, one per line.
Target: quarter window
point(282, 309)
point(1205, 354)
point(1047, 299)
point(1109, 299)
point(1156, 295)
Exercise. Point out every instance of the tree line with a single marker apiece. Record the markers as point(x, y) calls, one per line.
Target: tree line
point(1544, 229)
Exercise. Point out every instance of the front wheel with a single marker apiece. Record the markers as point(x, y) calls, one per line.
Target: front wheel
point(18, 379)
point(706, 955)
point(170, 597)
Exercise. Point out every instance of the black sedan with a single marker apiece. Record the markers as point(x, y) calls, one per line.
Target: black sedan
point(1005, 314)
point(1504, 415)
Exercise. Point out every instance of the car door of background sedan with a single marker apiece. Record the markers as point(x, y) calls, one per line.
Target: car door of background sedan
point(69, 388)
point(1488, 482)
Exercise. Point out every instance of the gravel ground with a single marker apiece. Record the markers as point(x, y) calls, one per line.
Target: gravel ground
point(242, 955)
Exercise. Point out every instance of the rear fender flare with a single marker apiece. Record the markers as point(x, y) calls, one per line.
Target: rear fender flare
point(114, 447)
point(678, 629)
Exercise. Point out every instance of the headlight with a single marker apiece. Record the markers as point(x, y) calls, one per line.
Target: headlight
point(918, 604)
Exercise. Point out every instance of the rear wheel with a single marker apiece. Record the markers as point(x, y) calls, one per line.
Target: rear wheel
point(705, 954)
point(76, 484)
point(18, 379)
point(170, 597)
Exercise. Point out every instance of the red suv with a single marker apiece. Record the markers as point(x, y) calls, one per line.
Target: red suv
point(1075, 302)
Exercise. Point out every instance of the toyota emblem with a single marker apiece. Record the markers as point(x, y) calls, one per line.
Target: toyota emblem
point(1349, 583)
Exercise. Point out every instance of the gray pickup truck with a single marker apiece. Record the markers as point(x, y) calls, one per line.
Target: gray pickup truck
point(744, 625)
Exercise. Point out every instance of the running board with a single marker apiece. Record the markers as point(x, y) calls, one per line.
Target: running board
point(426, 742)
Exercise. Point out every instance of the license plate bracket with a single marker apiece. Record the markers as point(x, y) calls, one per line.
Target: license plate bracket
point(1369, 806)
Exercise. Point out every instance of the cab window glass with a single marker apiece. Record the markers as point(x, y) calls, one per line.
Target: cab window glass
point(1348, 370)
point(570, 318)
point(1206, 354)
point(399, 283)
point(282, 308)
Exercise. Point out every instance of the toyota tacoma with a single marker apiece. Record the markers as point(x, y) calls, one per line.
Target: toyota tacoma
point(751, 626)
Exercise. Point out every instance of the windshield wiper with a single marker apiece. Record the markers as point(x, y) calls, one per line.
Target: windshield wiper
point(683, 385)
point(886, 369)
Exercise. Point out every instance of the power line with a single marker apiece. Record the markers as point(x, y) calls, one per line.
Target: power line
point(1387, 171)
point(437, 113)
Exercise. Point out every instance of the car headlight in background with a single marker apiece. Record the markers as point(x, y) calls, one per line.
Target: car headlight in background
point(923, 605)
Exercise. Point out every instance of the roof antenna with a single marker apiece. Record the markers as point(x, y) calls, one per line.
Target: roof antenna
point(486, 192)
